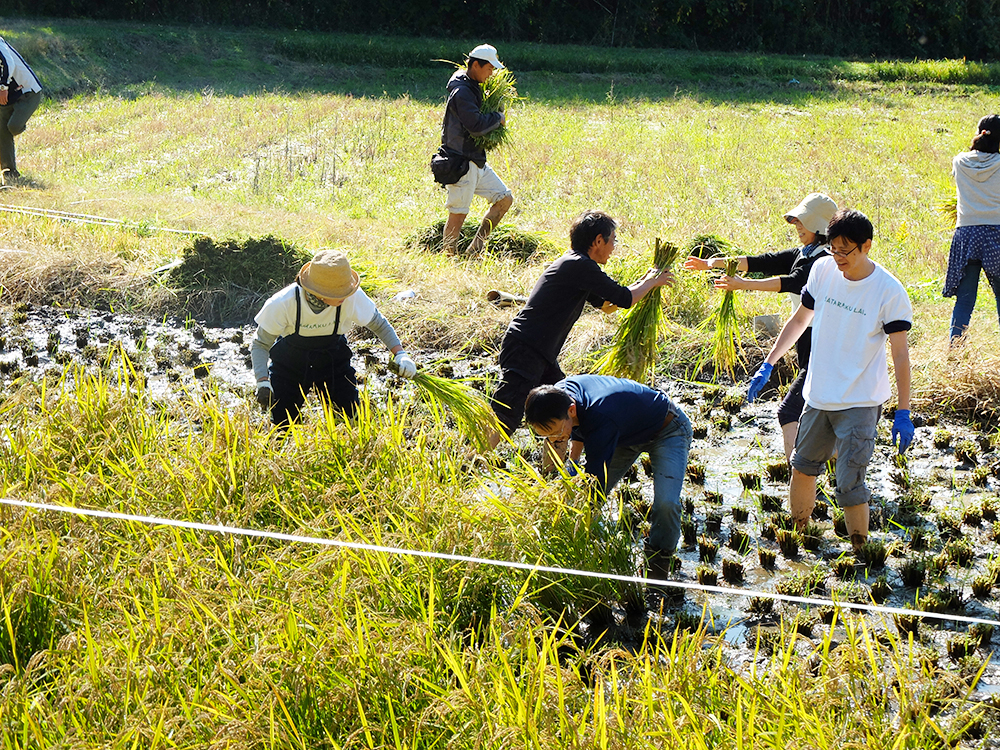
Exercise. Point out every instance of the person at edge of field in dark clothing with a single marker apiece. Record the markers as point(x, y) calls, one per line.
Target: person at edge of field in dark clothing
point(788, 270)
point(301, 330)
point(530, 349)
point(615, 420)
point(20, 95)
point(463, 121)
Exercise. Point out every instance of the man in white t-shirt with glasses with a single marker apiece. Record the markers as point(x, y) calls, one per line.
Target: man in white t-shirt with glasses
point(854, 305)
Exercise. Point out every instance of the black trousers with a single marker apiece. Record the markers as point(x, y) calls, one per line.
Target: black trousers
point(300, 363)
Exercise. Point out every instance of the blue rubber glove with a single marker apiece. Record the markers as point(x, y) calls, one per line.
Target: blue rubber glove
point(758, 381)
point(902, 428)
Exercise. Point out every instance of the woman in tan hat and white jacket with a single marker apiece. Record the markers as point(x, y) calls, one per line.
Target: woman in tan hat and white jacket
point(301, 330)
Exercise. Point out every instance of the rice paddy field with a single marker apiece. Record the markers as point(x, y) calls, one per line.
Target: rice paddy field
point(126, 391)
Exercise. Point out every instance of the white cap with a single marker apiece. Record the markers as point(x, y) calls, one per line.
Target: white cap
point(815, 212)
point(488, 53)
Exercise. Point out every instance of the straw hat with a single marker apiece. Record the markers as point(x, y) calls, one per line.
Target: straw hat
point(815, 212)
point(329, 275)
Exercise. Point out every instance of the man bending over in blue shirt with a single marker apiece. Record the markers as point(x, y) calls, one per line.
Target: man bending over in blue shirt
point(614, 421)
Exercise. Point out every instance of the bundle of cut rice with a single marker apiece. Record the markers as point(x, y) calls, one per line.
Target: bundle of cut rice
point(726, 344)
point(948, 208)
point(710, 246)
point(473, 415)
point(499, 93)
point(633, 351)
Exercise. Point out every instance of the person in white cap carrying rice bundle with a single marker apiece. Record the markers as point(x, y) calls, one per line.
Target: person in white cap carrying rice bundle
point(463, 121)
point(788, 271)
point(301, 330)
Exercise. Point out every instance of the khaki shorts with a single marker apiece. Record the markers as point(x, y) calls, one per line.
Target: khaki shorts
point(848, 434)
point(482, 182)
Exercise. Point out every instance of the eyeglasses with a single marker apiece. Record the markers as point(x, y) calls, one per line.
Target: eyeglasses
point(838, 254)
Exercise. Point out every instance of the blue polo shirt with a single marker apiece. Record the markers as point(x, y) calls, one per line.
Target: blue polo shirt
point(613, 412)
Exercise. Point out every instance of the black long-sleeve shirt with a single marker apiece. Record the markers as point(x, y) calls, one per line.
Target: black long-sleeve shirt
point(556, 302)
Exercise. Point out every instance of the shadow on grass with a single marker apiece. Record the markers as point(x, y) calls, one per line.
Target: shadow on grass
point(130, 60)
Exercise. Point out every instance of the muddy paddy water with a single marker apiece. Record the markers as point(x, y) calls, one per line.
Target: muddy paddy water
point(935, 528)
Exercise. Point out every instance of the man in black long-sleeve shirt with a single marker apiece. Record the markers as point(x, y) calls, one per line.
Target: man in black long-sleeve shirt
point(530, 350)
point(463, 122)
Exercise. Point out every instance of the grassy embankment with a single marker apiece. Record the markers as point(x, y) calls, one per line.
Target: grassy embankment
point(123, 634)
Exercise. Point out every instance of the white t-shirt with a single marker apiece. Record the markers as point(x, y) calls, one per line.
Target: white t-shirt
point(277, 316)
point(13, 66)
point(847, 365)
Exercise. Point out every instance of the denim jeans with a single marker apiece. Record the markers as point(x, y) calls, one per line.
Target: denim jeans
point(965, 297)
point(668, 452)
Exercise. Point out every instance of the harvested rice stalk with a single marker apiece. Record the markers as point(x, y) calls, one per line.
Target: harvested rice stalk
point(633, 352)
point(470, 409)
point(499, 93)
point(726, 344)
point(948, 208)
point(710, 246)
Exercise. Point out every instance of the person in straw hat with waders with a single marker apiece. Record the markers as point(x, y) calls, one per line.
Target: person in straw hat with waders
point(301, 330)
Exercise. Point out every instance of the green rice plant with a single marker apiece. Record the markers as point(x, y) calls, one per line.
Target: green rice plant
point(767, 558)
point(695, 473)
point(873, 553)
point(812, 537)
point(713, 521)
point(960, 551)
point(633, 351)
point(499, 95)
point(771, 503)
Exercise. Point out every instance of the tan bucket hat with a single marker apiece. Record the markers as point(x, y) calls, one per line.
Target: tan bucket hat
point(815, 212)
point(329, 274)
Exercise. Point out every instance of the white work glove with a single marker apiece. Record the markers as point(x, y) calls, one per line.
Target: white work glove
point(405, 367)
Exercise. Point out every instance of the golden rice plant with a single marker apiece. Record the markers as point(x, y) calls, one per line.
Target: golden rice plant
point(948, 208)
point(499, 93)
point(473, 415)
point(633, 351)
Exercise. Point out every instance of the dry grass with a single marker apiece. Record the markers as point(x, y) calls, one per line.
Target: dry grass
point(964, 379)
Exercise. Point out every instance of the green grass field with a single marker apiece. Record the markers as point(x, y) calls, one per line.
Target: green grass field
point(118, 634)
